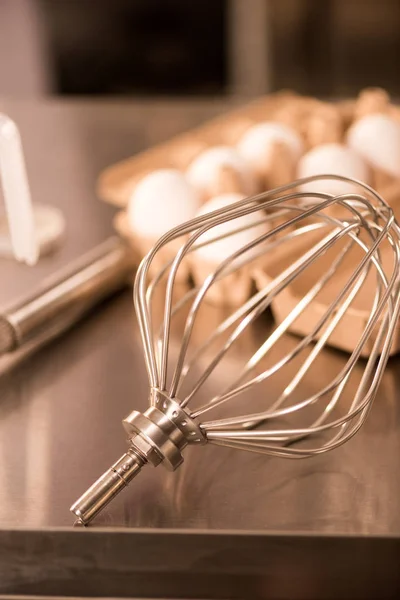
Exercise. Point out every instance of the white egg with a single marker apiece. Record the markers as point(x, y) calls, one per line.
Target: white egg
point(205, 171)
point(257, 144)
point(160, 201)
point(376, 138)
point(332, 159)
point(220, 250)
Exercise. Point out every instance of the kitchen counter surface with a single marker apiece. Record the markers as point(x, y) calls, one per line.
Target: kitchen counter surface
point(226, 523)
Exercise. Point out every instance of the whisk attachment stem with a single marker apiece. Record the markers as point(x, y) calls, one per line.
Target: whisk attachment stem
point(114, 480)
point(156, 436)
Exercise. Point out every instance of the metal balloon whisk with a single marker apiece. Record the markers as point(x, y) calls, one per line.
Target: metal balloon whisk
point(346, 255)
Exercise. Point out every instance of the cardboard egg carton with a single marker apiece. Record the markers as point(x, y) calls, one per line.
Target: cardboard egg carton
point(306, 115)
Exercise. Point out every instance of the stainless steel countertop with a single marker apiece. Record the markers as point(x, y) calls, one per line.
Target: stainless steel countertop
point(47, 429)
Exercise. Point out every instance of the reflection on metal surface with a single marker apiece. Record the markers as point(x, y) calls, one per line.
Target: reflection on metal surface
point(303, 412)
point(352, 490)
point(38, 455)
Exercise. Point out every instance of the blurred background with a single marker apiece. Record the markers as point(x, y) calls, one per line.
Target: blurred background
point(207, 48)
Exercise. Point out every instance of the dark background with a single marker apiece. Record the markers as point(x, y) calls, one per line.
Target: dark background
point(200, 48)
